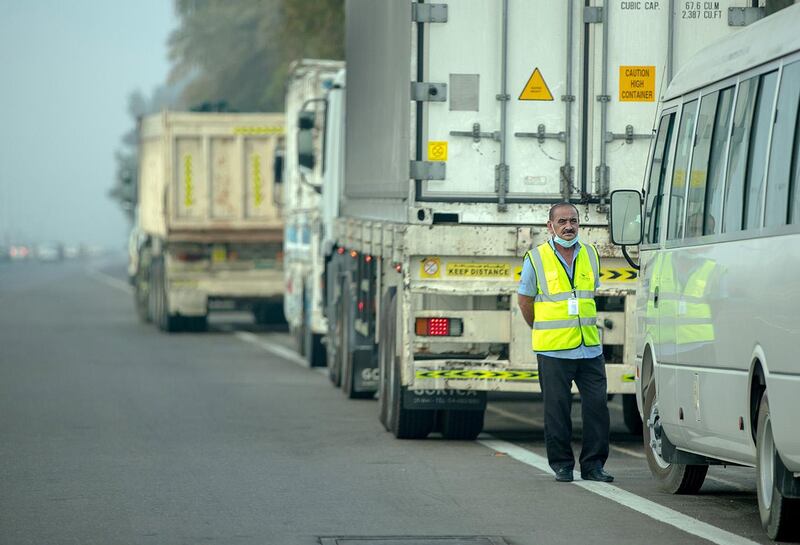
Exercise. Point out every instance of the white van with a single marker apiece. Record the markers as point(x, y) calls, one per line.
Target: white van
point(718, 228)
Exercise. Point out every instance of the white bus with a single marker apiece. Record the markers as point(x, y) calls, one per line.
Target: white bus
point(718, 228)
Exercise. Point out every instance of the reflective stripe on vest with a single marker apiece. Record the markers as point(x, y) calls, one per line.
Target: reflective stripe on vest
point(553, 327)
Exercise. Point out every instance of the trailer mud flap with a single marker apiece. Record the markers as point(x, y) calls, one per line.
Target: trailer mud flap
point(366, 374)
point(461, 400)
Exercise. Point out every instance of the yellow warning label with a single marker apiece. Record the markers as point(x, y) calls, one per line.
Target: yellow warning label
point(479, 270)
point(628, 378)
point(437, 151)
point(618, 275)
point(637, 83)
point(219, 254)
point(430, 267)
point(536, 88)
point(517, 273)
point(478, 374)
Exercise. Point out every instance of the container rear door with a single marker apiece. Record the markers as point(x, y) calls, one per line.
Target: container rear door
point(556, 59)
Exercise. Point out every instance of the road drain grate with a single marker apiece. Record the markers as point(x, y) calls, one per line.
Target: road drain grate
point(413, 540)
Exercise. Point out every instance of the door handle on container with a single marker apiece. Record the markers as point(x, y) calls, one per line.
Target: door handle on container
point(655, 297)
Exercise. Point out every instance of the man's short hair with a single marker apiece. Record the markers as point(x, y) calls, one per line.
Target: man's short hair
point(559, 205)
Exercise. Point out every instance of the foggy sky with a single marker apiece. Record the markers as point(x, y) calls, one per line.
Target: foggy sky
point(66, 69)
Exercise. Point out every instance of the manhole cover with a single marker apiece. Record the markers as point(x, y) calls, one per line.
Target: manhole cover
point(413, 540)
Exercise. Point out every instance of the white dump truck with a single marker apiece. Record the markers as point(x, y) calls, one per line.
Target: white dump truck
point(301, 205)
point(464, 123)
point(208, 231)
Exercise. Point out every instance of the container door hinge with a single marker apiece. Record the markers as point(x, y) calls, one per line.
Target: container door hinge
point(744, 16)
point(423, 91)
point(427, 170)
point(428, 13)
point(592, 14)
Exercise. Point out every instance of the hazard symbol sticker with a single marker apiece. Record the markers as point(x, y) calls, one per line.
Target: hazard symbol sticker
point(536, 88)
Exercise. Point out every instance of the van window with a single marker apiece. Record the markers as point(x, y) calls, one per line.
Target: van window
point(677, 196)
point(698, 174)
point(712, 221)
point(655, 184)
point(740, 138)
point(757, 154)
point(784, 135)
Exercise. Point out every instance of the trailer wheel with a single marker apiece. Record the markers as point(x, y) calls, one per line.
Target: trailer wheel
point(630, 414)
point(403, 423)
point(779, 515)
point(672, 478)
point(461, 425)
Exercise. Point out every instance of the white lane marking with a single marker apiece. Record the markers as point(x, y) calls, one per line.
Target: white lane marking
point(649, 508)
point(109, 280)
point(627, 451)
point(278, 350)
point(513, 416)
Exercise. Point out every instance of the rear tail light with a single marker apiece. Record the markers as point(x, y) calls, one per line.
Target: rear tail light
point(439, 327)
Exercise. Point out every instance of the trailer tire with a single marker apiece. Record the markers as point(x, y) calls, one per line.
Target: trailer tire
point(461, 425)
point(779, 515)
point(403, 423)
point(673, 478)
point(630, 414)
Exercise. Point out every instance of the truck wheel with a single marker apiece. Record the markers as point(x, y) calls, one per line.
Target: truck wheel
point(165, 321)
point(141, 298)
point(779, 515)
point(461, 425)
point(403, 423)
point(672, 478)
point(630, 414)
point(333, 349)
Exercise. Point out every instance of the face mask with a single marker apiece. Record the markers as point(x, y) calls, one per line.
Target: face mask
point(565, 243)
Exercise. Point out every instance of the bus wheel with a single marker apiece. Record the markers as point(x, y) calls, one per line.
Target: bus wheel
point(402, 422)
point(462, 425)
point(673, 478)
point(778, 514)
point(630, 414)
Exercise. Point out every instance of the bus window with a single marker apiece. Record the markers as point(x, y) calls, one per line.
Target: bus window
point(783, 139)
point(698, 174)
point(655, 184)
point(712, 223)
point(677, 196)
point(757, 155)
point(740, 138)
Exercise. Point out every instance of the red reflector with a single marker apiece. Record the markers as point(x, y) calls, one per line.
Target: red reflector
point(368, 259)
point(340, 250)
point(361, 306)
point(398, 267)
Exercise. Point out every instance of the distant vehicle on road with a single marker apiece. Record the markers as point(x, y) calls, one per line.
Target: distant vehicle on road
point(19, 252)
point(49, 251)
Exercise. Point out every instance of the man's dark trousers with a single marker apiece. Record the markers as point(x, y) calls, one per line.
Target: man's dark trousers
point(555, 378)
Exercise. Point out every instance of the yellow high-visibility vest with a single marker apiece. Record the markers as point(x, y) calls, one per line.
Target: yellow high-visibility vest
point(554, 328)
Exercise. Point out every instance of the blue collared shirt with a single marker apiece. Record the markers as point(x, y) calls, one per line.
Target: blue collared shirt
point(528, 286)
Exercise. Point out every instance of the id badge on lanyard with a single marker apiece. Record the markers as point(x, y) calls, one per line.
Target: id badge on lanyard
point(572, 305)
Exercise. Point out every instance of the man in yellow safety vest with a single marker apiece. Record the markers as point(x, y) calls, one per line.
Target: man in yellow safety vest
point(556, 298)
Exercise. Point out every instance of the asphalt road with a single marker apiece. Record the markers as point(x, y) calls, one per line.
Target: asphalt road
point(114, 433)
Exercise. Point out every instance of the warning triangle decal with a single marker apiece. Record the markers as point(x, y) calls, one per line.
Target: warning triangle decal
point(536, 88)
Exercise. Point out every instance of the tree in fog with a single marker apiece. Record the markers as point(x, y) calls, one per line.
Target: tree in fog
point(239, 51)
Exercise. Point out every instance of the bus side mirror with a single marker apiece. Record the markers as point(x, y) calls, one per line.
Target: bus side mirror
point(626, 217)
point(305, 140)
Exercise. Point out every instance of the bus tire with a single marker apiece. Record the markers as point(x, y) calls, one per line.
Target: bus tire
point(673, 478)
point(779, 515)
point(461, 425)
point(402, 422)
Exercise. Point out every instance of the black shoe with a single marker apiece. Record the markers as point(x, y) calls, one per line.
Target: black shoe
point(597, 474)
point(564, 474)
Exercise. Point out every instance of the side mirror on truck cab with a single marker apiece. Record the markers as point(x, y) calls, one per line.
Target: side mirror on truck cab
point(626, 217)
point(305, 139)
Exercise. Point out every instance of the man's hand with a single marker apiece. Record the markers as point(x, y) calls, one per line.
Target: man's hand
point(526, 307)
